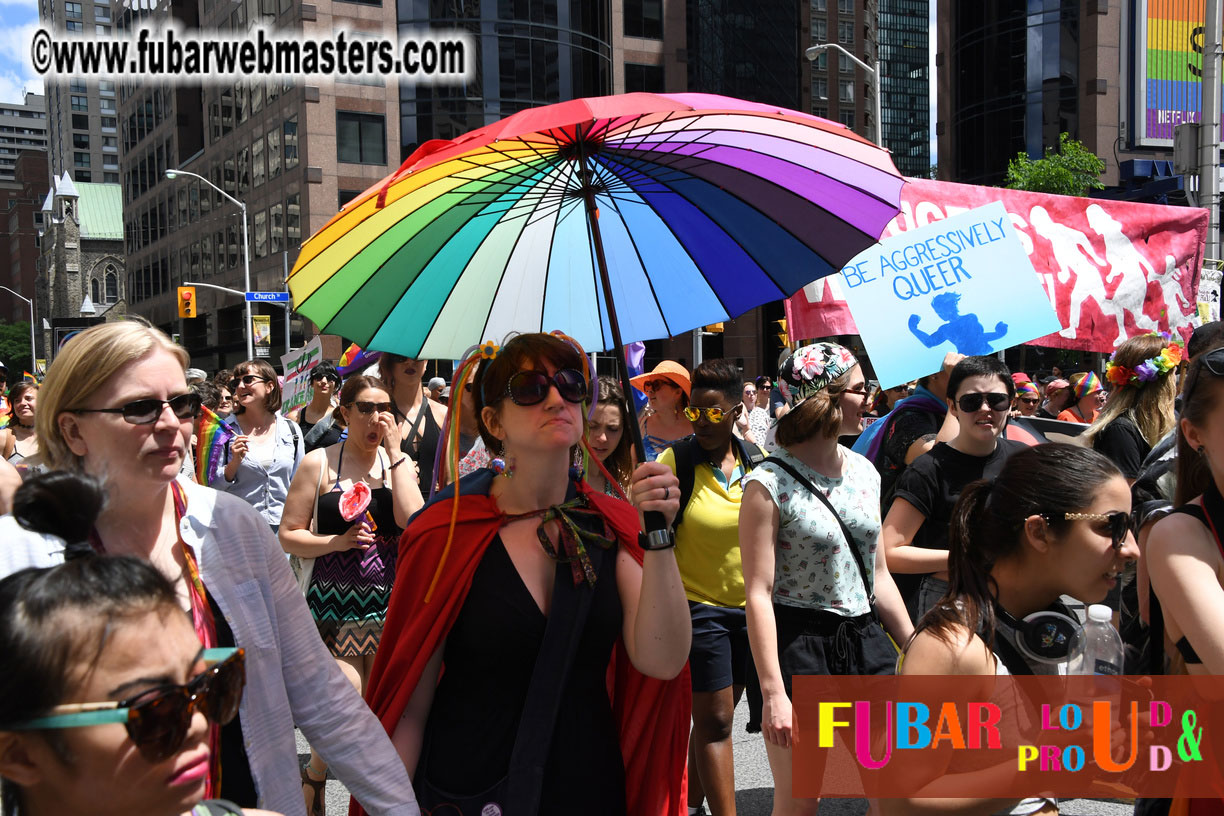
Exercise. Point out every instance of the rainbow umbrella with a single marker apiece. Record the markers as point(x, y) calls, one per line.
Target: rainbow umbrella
point(695, 208)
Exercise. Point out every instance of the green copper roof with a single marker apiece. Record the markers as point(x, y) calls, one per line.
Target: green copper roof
point(101, 211)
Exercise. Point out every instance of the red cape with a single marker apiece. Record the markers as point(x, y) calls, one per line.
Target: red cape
point(653, 715)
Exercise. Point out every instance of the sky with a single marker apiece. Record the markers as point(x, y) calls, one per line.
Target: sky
point(19, 20)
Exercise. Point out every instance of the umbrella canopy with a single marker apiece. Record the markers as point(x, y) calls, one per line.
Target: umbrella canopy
point(707, 206)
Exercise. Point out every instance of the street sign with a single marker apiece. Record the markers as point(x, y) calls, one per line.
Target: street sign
point(268, 297)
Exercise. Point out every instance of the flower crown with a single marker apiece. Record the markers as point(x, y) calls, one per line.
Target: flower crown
point(1149, 370)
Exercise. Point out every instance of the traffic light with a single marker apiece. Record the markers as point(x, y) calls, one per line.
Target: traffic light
point(186, 301)
point(783, 334)
point(714, 328)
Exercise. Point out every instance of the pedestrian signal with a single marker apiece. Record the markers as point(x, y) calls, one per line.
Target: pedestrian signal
point(186, 301)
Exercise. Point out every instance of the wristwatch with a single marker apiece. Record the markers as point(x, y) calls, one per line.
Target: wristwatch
point(657, 540)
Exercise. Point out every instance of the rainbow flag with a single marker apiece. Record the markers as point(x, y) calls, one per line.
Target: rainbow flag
point(211, 438)
point(355, 358)
point(28, 377)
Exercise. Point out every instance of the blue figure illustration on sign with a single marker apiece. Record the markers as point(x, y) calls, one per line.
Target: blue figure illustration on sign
point(963, 331)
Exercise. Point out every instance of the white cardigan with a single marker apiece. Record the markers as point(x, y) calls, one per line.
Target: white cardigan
point(291, 677)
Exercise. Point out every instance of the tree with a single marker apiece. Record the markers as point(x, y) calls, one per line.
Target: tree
point(15, 349)
point(1071, 170)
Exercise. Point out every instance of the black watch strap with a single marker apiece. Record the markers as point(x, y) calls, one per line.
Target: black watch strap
point(663, 540)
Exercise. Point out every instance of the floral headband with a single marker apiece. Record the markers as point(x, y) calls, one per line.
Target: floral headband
point(810, 369)
point(1148, 371)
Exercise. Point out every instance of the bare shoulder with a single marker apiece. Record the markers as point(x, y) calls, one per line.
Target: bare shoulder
point(1181, 534)
point(954, 650)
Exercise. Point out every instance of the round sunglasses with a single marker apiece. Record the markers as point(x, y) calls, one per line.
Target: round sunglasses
point(531, 387)
point(158, 720)
point(146, 411)
point(715, 414)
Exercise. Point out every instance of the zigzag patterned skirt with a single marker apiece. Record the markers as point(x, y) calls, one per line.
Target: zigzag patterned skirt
point(348, 597)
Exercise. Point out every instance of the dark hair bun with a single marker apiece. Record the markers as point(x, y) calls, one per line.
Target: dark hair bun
point(59, 503)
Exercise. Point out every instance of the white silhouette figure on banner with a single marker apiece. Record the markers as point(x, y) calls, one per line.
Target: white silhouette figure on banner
point(1070, 248)
point(1129, 263)
point(1175, 303)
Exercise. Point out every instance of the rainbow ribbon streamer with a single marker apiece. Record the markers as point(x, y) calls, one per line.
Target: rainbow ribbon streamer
point(211, 438)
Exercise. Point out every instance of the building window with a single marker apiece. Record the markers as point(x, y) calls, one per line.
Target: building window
point(846, 117)
point(821, 63)
point(77, 86)
point(820, 88)
point(293, 220)
point(80, 103)
point(83, 175)
point(820, 5)
point(845, 6)
point(106, 87)
point(80, 141)
point(291, 143)
point(109, 123)
point(643, 78)
point(110, 178)
point(820, 31)
point(107, 105)
point(72, 11)
point(821, 111)
point(361, 138)
point(110, 162)
point(80, 159)
point(111, 142)
point(844, 64)
point(102, 13)
point(102, 30)
point(644, 18)
point(274, 153)
point(80, 121)
point(845, 32)
point(345, 196)
point(95, 291)
point(74, 27)
point(112, 284)
point(845, 90)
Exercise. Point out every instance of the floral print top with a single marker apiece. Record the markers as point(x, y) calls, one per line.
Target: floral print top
point(813, 568)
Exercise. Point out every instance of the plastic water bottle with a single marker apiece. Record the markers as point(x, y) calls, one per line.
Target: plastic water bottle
point(1097, 646)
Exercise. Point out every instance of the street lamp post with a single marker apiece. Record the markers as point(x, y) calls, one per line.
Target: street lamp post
point(874, 73)
point(246, 251)
point(30, 303)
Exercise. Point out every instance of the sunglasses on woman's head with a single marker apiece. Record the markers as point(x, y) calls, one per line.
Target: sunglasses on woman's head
point(972, 402)
point(1119, 524)
point(715, 414)
point(146, 411)
point(531, 387)
point(249, 379)
point(159, 719)
point(370, 407)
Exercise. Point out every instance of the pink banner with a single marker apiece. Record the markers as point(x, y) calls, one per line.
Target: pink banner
point(1112, 269)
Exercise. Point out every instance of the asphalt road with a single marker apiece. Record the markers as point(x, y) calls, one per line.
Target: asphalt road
point(754, 785)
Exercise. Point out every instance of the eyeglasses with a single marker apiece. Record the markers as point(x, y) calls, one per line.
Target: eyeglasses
point(1030, 400)
point(370, 407)
point(715, 414)
point(158, 720)
point(1119, 524)
point(655, 385)
point(972, 402)
point(531, 387)
point(248, 379)
point(147, 411)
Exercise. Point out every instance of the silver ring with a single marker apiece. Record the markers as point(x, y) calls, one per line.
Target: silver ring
point(666, 493)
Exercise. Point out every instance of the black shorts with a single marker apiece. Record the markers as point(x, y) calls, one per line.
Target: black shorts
point(813, 641)
point(720, 656)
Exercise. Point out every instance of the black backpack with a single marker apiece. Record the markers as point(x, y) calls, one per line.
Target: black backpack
point(688, 453)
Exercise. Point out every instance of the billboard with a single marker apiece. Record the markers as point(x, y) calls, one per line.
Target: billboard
point(1168, 61)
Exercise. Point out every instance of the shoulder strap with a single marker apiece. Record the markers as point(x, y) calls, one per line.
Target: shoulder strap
point(750, 455)
point(571, 605)
point(686, 472)
point(410, 438)
point(320, 428)
point(818, 493)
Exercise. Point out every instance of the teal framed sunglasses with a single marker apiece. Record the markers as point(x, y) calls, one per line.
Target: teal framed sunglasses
point(157, 720)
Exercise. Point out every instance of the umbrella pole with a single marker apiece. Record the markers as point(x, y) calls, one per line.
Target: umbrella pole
point(656, 525)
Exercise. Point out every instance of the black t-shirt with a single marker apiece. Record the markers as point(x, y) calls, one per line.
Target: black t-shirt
point(934, 482)
point(906, 428)
point(1122, 442)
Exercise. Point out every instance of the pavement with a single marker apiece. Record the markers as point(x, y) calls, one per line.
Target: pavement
point(754, 784)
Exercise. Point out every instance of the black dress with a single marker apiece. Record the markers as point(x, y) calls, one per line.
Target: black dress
point(422, 445)
point(489, 656)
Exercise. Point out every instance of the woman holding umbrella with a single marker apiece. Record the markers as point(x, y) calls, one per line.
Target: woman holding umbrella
point(814, 571)
point(663, 421)
point(534, 592)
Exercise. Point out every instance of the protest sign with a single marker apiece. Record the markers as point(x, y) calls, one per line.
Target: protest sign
point(1112, 269)
point(296, 365)
point(963, 284)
